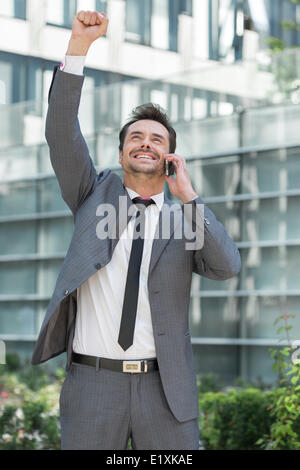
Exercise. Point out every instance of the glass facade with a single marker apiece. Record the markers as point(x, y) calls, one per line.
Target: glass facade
point(253, 190)
point(13, 9)
point(243, 156)
point(255, 195)
point(228, 20)
point(62, 12)
point(148, 22)
point(267, 17)
point(28, 79)
point(226, 29)
point(155, 22)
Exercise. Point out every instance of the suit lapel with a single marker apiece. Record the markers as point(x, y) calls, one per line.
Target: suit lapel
point(124, 210)
point(165, 229)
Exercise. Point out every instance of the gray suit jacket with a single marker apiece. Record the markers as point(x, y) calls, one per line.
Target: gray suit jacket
point(171, 265)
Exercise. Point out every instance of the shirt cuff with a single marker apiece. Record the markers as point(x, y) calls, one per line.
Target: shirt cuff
point(192, 199)
point(73, 64)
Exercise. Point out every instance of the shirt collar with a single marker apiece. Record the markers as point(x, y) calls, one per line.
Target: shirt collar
point(157, 198)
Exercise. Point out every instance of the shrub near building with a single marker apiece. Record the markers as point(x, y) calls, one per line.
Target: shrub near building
point(29, 415)
point(234, 420)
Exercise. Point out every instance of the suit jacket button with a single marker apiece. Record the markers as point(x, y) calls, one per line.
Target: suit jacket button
point(66, 292)
point(98, 266)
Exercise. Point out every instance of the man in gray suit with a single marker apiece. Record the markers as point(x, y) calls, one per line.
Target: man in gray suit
point(120, 304)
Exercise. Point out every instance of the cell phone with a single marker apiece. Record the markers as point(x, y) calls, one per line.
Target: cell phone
point(169, 169)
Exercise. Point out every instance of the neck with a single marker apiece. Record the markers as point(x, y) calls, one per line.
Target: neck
point(144, 186)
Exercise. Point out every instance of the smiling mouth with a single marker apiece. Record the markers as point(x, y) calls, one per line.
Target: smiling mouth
point(144, 156)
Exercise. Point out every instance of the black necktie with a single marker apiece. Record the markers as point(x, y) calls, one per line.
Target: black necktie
point(132, 282)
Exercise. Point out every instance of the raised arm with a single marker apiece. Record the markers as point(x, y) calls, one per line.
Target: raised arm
point(69, 154)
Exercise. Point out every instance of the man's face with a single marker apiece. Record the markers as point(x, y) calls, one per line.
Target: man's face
point(145, 143)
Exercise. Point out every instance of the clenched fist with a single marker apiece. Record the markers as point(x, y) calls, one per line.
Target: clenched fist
point(86, 28)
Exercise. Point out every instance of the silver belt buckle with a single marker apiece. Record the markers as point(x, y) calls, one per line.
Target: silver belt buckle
point(134, 367)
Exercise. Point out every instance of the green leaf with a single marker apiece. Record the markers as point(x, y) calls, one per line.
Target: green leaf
point(288, 25)
point(275, 44)
point(290, 372)
point(279, 400)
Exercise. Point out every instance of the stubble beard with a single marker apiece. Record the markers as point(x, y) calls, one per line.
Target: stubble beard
point(146, 170)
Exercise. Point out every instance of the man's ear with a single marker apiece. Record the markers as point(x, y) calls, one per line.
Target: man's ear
point(120, 156)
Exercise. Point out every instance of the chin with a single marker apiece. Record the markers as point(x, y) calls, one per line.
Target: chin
point(144, 169)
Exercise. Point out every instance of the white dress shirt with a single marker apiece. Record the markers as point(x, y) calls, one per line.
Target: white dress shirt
point(100, 298)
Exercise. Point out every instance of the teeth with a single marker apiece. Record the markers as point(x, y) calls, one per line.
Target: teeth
point(144, 156)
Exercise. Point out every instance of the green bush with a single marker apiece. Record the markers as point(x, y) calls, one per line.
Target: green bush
point(284, 432)
point(34, 377)
point(209, 383)
point(234, 420)
point(32, 426)
point(29, 413)
point(240, 382)
point(13, 362)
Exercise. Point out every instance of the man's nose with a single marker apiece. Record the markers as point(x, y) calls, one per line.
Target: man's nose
point(145, 144)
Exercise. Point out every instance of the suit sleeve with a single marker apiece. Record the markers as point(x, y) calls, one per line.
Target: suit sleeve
point(219, 257)
point(69, 153)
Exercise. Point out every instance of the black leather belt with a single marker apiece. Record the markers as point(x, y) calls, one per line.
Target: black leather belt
point(134, 367)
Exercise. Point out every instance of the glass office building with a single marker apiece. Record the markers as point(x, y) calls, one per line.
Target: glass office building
point(239, 135)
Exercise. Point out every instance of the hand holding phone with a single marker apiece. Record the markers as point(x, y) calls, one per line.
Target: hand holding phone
point(169, 168)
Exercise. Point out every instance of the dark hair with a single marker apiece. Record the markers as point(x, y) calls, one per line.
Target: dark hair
point(155, 113)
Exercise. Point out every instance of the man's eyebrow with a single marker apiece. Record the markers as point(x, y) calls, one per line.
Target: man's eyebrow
point(159, 135)
point(141, 133)
point(136, 132)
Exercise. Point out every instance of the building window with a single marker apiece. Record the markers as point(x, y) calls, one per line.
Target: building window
point(20, 9)
point(186, 6)
point(160, 24)
point(13, 8)
point(138, 21)
point(101, 5)
point(176, 8)
point(12, 78)
point(226, 18)
point(5, 83)
point(92, 5)
point(155, 22)
point(62, 12)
